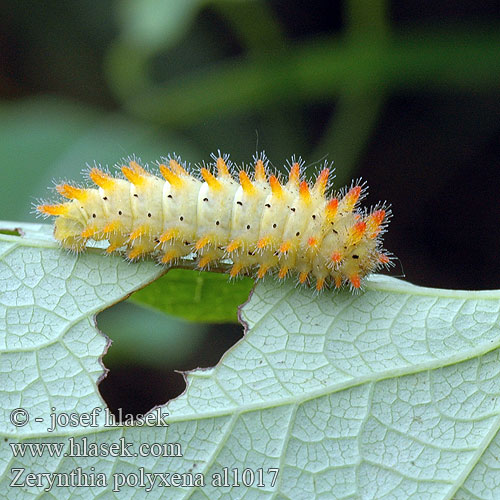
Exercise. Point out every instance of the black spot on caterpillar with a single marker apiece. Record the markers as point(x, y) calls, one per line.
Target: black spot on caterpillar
point(327, 237)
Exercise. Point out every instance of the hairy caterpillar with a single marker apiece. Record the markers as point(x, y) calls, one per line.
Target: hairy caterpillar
point(261, 223)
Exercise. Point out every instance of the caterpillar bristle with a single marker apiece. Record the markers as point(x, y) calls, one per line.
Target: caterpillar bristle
point(265, 223)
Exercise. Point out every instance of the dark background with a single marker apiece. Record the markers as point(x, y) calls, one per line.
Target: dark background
point(404, 94)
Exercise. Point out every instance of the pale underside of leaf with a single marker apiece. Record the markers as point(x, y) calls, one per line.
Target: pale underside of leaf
point(393, 393)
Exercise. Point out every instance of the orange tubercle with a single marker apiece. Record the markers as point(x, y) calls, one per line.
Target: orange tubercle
point(168, 235)
point(304, 192)
point(210, 179)
point(320, 283)
point(170, 255)
point(111, 227)
point(235, 270)
point(246, 183)
point(202, 242)
point(378, 216)
point(331, 209)
point(72, 192)
point(263, 242)
point(336, 257)
point(322, 181)
point(373, 223)
point(283, 272)
point(177, 167)
point(102, 179)
point(222, 168)
point(135, 253)
point(262, 271)
point(276, 188)
point(338, 281)
point(61, 209)
point(285, 246)
point(312, 242)
point(111, 248)
point(383, 258)
point(355, 280)
point(204, 261)
point(89, 231)
point(303, 277)
point(356, 232)
point(137, 168)
point(352, 197)
point(260, 171)
point(235, 244)
point(294, 176)
point(170, 177)
point(138, 232)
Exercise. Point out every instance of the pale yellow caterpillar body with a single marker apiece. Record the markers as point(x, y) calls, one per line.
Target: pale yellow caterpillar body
point(263, 225)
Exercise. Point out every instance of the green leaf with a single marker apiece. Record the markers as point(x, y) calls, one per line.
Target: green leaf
point(196, 296)
point(392, 393)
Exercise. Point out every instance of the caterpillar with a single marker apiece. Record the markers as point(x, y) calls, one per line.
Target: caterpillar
point(262, 223)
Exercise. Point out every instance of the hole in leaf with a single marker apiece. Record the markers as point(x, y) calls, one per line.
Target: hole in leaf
point(150, 347)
